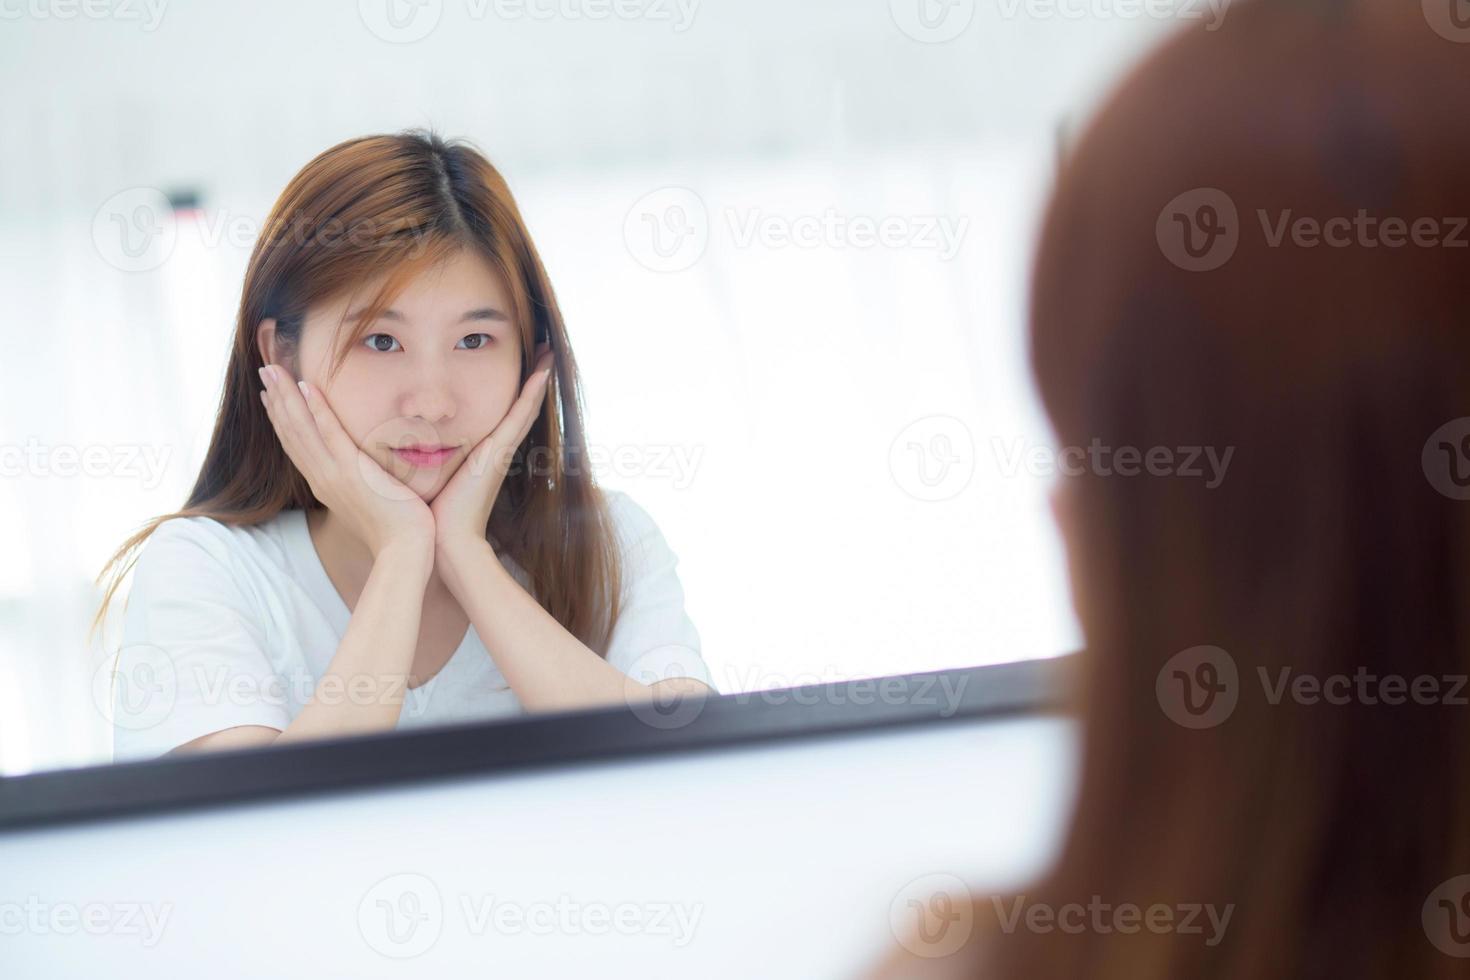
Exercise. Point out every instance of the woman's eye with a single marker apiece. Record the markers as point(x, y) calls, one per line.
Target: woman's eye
point(473, 341)
point(383, 342)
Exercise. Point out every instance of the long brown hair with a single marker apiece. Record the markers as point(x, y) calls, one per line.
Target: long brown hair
point(1331, 548)
point(389, 206)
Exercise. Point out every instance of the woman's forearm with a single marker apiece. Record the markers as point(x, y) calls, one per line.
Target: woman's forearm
point(363, 688)
point(548, 668)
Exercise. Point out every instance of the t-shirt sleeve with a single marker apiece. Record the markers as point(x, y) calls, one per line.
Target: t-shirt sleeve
point(192, 653)
point(654, 638)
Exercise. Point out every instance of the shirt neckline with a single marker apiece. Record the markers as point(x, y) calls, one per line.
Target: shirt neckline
point(323, 588)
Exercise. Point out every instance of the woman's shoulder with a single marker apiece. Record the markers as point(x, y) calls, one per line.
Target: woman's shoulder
point(626, 513)
point(633, 527)
point(193, 539)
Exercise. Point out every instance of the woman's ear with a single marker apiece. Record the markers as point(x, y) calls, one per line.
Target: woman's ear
point(265, 340)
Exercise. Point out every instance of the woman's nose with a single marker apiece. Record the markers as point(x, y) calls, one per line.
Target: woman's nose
point(427, 393)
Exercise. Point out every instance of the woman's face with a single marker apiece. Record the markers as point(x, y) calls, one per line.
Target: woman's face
point(439, 369)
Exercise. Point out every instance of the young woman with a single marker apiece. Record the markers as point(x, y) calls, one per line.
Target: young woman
point(1314, 789)
point(394, 524)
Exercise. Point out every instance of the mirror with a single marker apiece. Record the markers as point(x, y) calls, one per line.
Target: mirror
point(788, 248)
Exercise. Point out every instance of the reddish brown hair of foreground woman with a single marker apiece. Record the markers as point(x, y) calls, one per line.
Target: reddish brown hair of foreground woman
point(1336, 544)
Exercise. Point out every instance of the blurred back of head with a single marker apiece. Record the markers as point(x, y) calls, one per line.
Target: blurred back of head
point(1182, 301)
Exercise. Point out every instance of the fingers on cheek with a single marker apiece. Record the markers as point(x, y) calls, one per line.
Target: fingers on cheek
point(272, 413)
point(282, 425)
point(276, 416)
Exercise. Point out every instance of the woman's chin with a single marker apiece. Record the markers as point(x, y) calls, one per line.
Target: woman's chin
point(426, 482)
point(426, 485)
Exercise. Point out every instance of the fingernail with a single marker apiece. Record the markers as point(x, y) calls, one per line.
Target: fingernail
point(265, 374)
point(304, 392)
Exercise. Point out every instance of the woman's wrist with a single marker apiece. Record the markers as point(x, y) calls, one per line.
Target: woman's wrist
point(454, 557)
point(462, 544)
point(409, 553)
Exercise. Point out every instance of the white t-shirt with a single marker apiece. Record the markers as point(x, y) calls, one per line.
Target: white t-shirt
point(230, 626)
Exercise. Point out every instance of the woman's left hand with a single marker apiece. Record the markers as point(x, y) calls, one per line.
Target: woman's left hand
point(462, 508)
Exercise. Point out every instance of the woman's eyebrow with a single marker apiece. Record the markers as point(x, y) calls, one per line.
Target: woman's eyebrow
point(483, 313)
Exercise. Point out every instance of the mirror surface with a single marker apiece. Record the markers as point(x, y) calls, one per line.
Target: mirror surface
point(789, 245)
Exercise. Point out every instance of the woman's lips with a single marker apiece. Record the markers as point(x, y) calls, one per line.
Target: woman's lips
point(425, 456)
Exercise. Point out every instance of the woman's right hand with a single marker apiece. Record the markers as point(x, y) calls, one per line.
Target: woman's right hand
point(381, 510)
